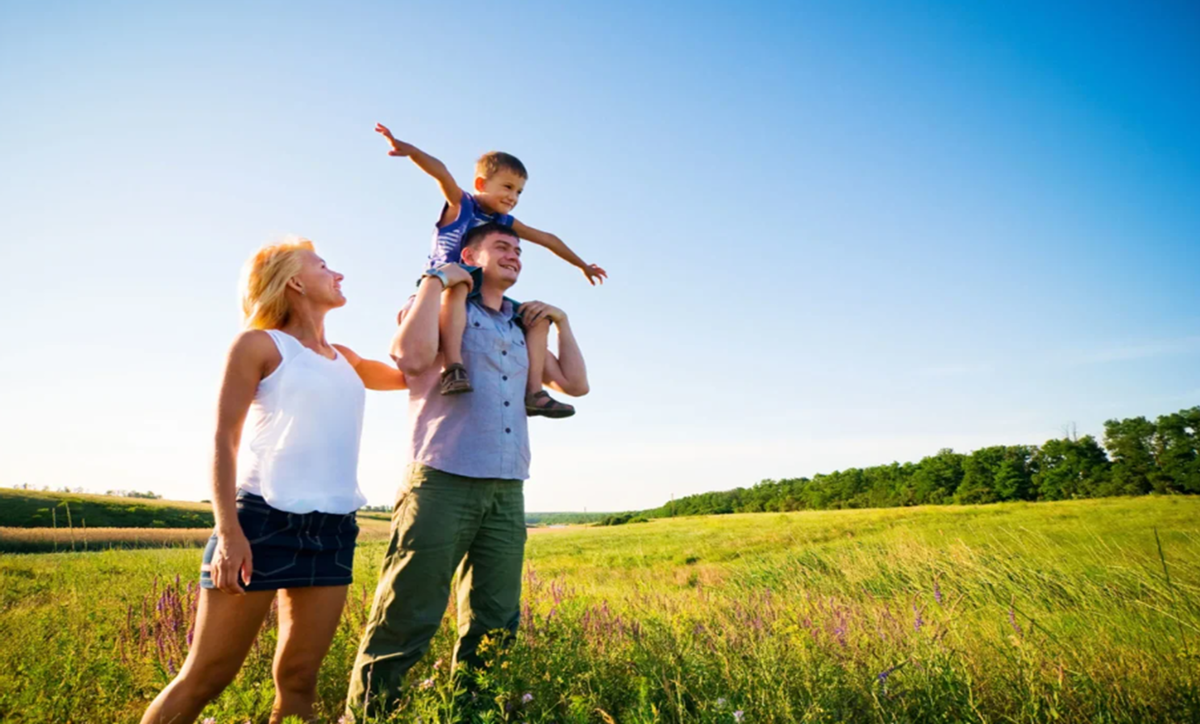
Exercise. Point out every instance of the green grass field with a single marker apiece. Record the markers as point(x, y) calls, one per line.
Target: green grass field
point(1052, 612)
point(36, 509)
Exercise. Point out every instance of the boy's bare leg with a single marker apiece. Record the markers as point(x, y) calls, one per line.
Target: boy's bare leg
point(452, 323)
point(537, 400)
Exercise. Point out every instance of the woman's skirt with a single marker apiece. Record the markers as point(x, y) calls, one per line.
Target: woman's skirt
point(291, 550)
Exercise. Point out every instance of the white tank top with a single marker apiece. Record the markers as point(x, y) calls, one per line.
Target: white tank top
point(304, 428)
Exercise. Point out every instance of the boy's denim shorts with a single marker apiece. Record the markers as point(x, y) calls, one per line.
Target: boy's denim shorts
point(291, 550)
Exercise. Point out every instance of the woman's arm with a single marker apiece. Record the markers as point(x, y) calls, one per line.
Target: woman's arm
point(374, 374)
point(252, 357)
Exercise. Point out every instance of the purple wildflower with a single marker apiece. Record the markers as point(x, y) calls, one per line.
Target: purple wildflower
point(721, 703)
point(937, 592)
point(918, 622)
point(527, 697)
point(737, 715)
point(427, 683)
point(1012, 619)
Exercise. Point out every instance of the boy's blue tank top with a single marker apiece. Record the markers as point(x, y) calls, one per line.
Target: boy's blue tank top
point(448, 239)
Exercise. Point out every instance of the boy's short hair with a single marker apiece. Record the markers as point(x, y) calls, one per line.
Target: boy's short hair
point(479, 233)
point(493, 162)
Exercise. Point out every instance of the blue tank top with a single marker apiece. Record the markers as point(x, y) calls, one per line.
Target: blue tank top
point(448, 239)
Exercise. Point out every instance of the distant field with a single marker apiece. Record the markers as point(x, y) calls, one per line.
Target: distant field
point(1049, 612)
point(35, 509)
point(49, 540)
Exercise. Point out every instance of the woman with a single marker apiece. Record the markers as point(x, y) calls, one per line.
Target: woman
point(285, 522)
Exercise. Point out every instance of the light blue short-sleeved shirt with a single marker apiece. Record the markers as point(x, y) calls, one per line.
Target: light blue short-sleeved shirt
point(485, 433)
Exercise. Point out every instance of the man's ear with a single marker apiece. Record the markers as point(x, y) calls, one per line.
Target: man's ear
point(468, 255)
point(479, 182)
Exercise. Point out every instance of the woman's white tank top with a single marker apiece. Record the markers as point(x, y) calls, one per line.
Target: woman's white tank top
point(304, 428)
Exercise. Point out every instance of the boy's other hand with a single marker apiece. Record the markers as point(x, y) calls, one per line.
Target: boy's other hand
point(594, 273)
point(456, 275)
point(399, 148)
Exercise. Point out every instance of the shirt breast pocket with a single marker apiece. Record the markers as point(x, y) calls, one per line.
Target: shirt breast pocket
point(478, 339)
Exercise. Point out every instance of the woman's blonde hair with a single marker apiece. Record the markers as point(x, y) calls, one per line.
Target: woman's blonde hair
point(264, 283)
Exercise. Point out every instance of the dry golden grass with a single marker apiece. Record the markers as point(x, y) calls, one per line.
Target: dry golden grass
point(43, 540)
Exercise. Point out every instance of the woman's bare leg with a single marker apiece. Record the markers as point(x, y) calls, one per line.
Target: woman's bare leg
point(308, 619)
point(226, 625)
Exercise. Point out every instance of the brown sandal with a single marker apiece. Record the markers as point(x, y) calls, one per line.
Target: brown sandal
point(455, 380)
point(551, 408)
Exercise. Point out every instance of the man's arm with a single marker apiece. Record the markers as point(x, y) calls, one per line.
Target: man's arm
point(429, 165)
point(415, 346)
point(560, 248)
point(565, 372)
point(374, 374)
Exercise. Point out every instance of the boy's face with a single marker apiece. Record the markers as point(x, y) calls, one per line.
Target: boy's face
point(499, 193)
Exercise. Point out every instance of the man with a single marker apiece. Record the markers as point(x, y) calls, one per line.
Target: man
point(463, 505)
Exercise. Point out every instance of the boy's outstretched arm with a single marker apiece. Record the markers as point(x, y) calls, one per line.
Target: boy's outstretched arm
point(426, 163)
point(560, 248)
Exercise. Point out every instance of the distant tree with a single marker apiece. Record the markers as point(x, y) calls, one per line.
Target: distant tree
point(1068, 468)
point(1129, 444)
point(936, 478)
point(1175, 451)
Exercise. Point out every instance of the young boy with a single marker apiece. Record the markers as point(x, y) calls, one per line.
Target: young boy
point(499, 180)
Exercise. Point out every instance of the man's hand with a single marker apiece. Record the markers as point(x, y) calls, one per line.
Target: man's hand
point(399, 148)
point(594, 273)
point(534, 312)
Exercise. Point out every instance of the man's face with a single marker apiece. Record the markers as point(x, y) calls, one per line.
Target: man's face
point(498, 255)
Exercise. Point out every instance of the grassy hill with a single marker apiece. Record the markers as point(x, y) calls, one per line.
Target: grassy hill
point(1049, 612)
point(36, 509)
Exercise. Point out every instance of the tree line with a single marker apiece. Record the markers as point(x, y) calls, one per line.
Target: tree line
point(1136, 457)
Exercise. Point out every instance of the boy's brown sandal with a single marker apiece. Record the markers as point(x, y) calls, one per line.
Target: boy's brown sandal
point(549, 406)
point(455, 380)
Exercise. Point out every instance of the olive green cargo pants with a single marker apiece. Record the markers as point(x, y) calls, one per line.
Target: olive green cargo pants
point(441, 524)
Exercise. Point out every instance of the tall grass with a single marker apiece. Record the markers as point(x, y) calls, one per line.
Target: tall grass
point(1012, 613)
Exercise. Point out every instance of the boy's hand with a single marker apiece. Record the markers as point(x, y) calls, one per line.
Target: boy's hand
point(399, 148)
point(594, 273)
point(533, 312)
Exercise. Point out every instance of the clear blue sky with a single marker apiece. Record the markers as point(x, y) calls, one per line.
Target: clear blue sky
point(839, 234)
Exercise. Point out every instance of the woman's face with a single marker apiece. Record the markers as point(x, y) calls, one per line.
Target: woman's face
point(318, 283)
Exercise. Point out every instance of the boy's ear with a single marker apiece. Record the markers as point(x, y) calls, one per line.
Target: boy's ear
point(479, 182)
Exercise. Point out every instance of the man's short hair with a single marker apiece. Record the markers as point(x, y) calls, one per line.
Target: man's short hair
point(493, 162)
point(481, 232)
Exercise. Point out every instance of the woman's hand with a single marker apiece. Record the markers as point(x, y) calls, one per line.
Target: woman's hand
point(231, 560)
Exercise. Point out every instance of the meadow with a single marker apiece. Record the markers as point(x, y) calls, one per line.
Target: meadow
point(1082, 611)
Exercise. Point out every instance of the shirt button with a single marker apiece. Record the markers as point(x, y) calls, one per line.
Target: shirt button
point(505, 378)
point(504, 352)
point(508, 429)
point(477, 324)
point(506, 403)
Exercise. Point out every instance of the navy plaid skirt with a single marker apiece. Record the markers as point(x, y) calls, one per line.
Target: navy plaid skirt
point(291, 550)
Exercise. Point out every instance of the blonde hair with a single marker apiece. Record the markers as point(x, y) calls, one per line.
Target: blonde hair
point(264, 283)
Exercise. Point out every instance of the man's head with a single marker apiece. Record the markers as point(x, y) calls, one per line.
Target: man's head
point(499, 179)
point(496, 249)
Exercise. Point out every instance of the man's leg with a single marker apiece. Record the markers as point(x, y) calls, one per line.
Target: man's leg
point(489, 589)
point(432, 527)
